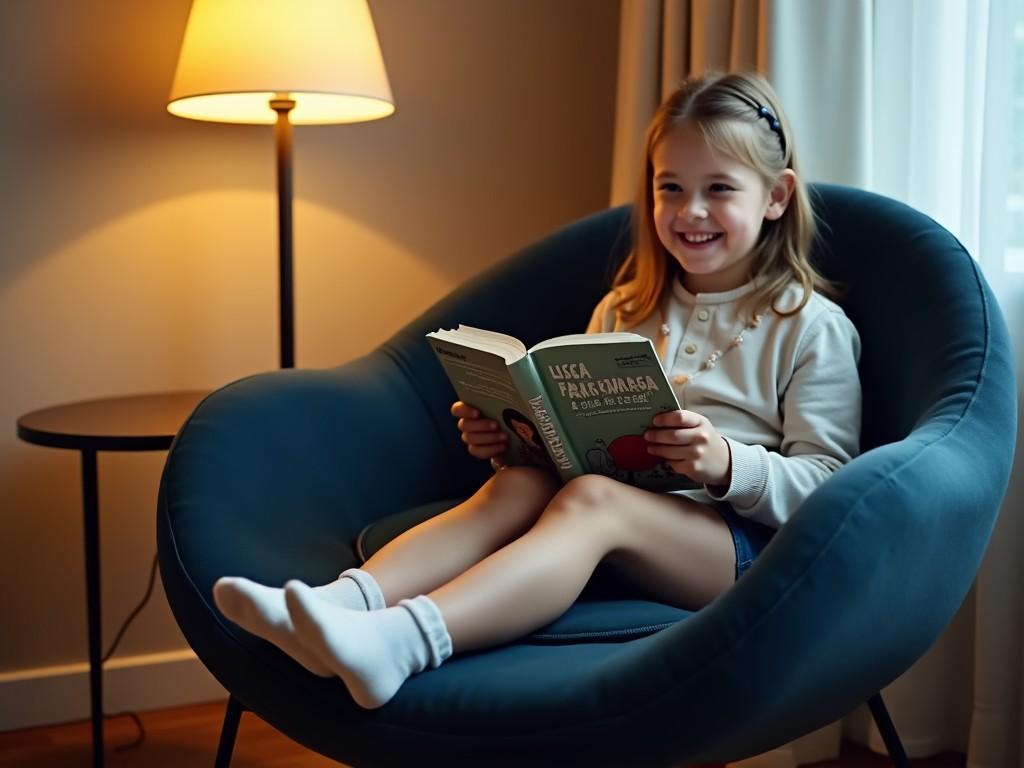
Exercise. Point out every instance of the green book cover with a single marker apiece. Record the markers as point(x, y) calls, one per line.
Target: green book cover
point(493, 373)
point(589, 397)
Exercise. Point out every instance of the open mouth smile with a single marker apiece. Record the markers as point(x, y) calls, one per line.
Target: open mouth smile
point(697, 239)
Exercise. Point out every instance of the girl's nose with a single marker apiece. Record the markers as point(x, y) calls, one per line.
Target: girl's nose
point(692, 208)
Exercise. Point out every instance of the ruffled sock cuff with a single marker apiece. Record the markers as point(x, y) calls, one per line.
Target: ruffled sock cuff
point(428, 618)
point(368, 586)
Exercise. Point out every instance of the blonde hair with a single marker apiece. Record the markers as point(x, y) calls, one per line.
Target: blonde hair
point(725, 107)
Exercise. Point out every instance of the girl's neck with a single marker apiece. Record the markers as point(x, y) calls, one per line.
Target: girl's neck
point(714, 283)
point(684, 294)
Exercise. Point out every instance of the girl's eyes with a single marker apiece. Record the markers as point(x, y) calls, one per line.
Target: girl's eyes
point(717, 188)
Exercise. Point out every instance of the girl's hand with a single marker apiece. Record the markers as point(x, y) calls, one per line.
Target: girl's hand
point(691, 446)
point(484, 437)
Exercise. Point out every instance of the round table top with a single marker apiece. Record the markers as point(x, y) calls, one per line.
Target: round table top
point(129, 423)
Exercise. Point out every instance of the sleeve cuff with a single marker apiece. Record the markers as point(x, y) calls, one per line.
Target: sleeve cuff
point(749, 476)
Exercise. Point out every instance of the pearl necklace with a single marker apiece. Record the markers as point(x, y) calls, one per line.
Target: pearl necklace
point(712, 359)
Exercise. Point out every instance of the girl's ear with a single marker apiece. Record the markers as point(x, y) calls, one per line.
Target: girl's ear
point(780, 194)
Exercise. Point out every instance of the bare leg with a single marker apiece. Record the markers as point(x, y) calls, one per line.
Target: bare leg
point(439, 549)
point(679, 550)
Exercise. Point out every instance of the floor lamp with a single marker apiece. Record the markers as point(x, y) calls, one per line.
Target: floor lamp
point(281, 62)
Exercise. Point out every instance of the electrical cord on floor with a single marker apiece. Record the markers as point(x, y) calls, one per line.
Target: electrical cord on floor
point(113, 647)
point(139, 738)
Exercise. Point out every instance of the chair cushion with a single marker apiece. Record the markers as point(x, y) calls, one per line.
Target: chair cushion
point(607, 611)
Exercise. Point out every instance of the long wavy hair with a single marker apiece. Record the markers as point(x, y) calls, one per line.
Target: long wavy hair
point(725, 108)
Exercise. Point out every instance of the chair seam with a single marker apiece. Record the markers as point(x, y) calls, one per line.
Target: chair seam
point(645, 629)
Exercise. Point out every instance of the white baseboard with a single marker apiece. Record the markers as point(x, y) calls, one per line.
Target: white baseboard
point(60, 694)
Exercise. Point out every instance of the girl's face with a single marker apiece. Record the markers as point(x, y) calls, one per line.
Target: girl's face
point(708, 209)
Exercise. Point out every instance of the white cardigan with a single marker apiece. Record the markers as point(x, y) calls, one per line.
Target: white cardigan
point(787, 400)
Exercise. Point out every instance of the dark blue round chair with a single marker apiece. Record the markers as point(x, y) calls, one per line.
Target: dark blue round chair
point(297, 473)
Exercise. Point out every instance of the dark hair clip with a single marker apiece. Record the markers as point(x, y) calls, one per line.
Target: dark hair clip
point(773, 123)
point(762, 112)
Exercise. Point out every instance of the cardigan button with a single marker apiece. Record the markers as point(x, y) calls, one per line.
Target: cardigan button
point(690, 349)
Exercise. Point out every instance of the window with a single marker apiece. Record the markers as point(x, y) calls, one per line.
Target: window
point(1015, 195)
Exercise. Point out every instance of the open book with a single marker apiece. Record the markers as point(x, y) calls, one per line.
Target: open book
point(579, 403)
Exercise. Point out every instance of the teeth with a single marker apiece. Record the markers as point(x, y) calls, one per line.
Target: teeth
point(698, 237)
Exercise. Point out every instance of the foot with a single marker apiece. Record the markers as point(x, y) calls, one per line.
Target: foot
point(261, 611)
point(373, 653)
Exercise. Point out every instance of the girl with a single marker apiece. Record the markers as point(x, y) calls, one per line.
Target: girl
point(766, 370)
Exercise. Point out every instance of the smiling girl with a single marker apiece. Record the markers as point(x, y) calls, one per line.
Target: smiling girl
point(764, 365)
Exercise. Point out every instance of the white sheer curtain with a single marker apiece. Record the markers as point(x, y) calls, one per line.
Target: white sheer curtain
point(922, 100)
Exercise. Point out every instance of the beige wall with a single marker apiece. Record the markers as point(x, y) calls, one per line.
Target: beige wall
point(139, 250)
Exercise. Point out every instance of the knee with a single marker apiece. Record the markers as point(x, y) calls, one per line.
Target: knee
point(529, 487)
point(524, 480)
point(590, 490)
point(590, 497)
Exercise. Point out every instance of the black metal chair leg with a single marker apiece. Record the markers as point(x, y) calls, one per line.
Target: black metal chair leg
point(228, 732)
point(888, 732)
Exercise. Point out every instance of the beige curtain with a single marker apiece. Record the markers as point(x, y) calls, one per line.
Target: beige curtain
point(660, 43)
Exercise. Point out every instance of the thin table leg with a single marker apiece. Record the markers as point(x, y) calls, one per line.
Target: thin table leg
point(91, 518)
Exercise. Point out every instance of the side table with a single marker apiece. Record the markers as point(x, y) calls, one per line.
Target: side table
point(132, 423)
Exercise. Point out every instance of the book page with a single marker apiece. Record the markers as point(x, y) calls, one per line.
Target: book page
point(610, 337)
point(509, 348)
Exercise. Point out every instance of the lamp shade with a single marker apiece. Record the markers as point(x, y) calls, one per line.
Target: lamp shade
point(238, 55)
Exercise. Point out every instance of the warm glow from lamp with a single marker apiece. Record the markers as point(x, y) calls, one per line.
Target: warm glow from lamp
point(238, 55)
point(283, 62)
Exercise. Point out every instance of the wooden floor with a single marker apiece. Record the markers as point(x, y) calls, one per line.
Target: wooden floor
point(187, 736)
point(175, 738)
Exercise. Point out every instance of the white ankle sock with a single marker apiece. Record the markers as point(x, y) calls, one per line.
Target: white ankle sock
point(369, 591)
point(261, 610)
point(373, 653)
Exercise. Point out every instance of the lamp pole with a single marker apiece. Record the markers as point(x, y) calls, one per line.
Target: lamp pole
point(286, 284)
point(239, 57)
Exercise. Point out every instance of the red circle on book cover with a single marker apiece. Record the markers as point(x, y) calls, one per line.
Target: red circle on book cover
point(630, 453)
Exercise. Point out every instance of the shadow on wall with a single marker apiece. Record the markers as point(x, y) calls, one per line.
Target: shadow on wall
point(204, 295)
point(475, 162)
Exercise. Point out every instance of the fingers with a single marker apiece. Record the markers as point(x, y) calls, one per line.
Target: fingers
point(680, 429)
point(461, 410)
point(485, 443)
point(675, 437)
point(692, 455)
point(481, 432)
point(479, 425)
point(679, 419)
point(484, 437)
point(690, 445)
point(486, 452)
point(704, 461)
